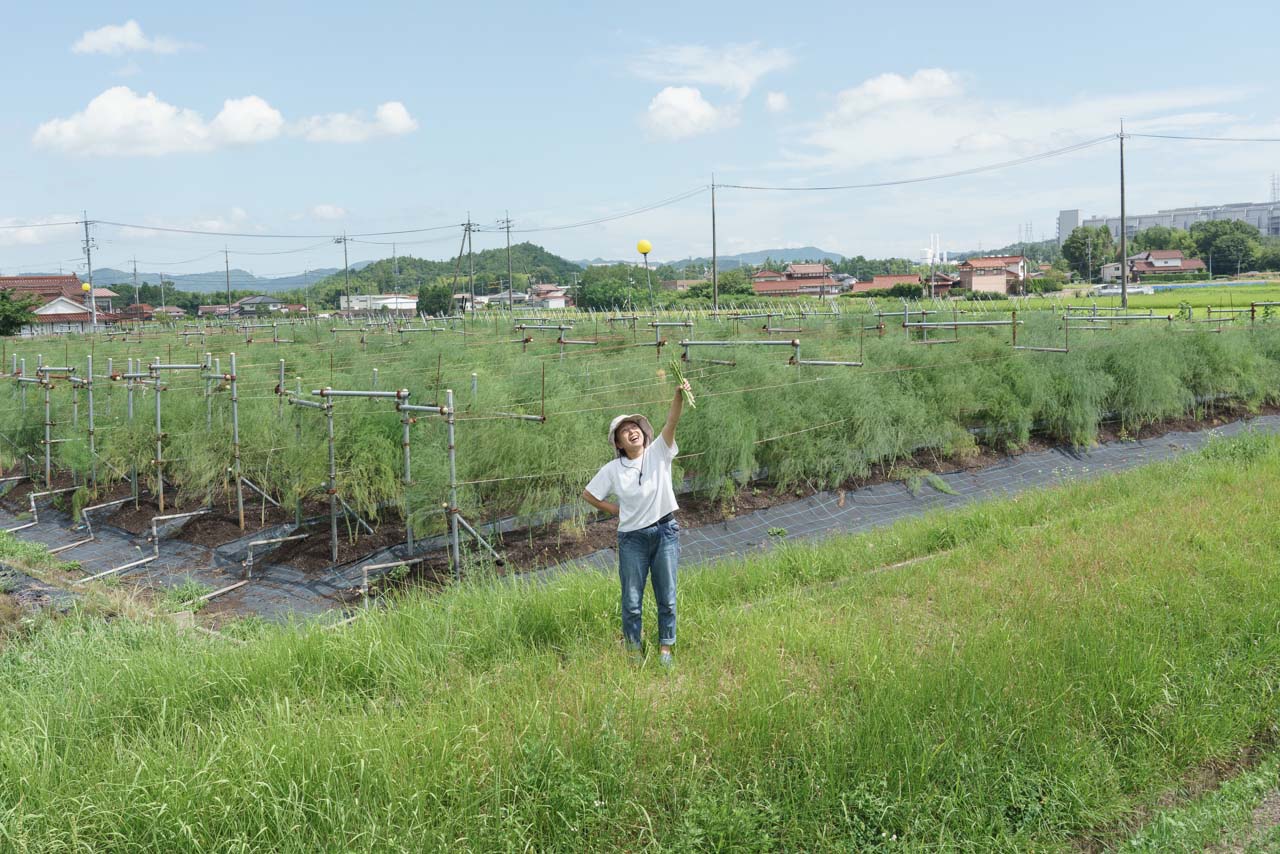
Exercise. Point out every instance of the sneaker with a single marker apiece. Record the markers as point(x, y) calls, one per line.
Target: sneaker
point(666, 660)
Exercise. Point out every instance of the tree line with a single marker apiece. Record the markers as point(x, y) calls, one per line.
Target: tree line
point(1228, 247)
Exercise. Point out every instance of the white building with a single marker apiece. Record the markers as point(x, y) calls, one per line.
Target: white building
point(1265, 216)
point(379, 302)
point(63, 314)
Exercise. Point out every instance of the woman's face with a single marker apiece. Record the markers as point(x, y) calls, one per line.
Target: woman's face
point(628, 437)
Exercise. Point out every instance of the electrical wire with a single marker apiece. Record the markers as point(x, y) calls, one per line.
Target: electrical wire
point(1207, 138)
point(42, 224)
point(688, 194)
point(991, 167)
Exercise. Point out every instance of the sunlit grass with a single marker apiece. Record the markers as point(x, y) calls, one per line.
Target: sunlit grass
point(1011, 677)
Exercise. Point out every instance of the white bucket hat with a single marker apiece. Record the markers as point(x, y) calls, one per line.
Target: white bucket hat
point(639, 420)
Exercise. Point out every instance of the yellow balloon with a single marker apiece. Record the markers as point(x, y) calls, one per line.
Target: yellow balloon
point(85, 287)
point(644, 247)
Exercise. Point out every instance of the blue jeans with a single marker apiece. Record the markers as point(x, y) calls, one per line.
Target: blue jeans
point(656, 550)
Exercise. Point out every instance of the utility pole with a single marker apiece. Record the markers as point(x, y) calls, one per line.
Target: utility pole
point(511, 284)
point(88, 262)
point(346, 269)
point(471, 267)
point(162, 305)
point(395, 270)
point(457, 262)
point(1124, 231)
point(306, 289)
point(226, 261)
point(715, 274)
point(135, 279)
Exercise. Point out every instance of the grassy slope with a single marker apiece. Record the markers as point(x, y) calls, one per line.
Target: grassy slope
point(1053, 662)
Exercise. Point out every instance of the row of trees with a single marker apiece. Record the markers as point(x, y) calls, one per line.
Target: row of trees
point(1226, 246)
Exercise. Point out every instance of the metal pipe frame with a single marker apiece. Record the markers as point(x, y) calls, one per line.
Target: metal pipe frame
point(258, 490)
point(88, 524)
point(248, 561)
point(400, 394)
point(952, 324)
point(1166, 317)
point(794, 342)
point(35, 512)
point(823, 362)
point(235, 441)
point(155, 545)
point(390, 564)
point(453, 483)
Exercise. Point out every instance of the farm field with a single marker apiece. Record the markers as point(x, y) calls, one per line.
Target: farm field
point(1199, 297)
point(529, 417)
point(1036, 674)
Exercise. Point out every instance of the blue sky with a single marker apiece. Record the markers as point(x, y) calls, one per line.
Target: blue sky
point(313, 118)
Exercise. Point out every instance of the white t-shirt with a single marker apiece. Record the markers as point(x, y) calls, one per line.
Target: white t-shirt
point(643, 485)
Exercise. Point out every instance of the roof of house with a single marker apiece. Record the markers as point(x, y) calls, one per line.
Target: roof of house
point(767, 274)
point(1164, 254)
point(1187, 265)
point(73, 317)
point(994, 261)
point(256, 299)
point(172, 309)
point(48, 287)
point(807, 269)
point(824, 282)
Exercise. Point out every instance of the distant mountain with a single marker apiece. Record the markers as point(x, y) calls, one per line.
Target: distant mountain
point(216, 280)
point(729, 262)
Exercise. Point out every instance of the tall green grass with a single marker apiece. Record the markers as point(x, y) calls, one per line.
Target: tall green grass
point(1043, 668)
point(808, 424)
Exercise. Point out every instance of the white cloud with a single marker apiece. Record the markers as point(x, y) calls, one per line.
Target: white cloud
point(38, 230)
point(734, 67)
point(678, 112)
point(390, 119)
point(929, 116)
point(115, 39)
point(122, 122)
point(926, 84)
point(328, 212)
point(249, 119)
point(777, 102)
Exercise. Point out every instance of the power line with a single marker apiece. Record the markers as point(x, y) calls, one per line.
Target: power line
point(175, 230)
point(1207, 138)
point(41, 224)
point(991, 167)
point(688, 194)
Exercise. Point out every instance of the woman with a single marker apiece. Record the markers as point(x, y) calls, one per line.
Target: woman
point(648, 534)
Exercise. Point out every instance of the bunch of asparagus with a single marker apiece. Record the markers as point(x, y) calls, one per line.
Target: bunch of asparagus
point(680, 381)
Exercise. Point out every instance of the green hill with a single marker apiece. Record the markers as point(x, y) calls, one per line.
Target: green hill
point(529, 263)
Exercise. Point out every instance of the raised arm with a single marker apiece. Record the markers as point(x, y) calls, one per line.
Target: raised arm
point(673, 415)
